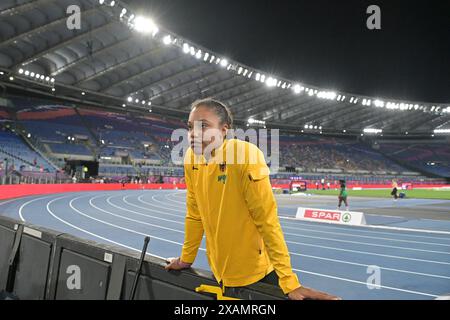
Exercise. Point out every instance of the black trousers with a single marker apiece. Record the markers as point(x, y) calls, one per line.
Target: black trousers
point(240, 293)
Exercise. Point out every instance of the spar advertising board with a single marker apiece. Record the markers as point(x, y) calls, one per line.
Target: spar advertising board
point(331, 216)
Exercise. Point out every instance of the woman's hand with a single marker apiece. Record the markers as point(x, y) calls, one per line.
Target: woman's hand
point(176, 264)
point(303, 293)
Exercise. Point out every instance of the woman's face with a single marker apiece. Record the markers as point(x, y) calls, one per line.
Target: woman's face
point(205, 129)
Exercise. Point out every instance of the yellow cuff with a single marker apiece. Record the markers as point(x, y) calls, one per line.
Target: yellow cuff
point(289, 284)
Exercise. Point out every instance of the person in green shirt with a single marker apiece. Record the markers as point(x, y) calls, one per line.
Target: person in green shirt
point(343, 195)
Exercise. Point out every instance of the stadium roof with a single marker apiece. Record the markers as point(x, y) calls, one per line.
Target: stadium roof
point(117, 58)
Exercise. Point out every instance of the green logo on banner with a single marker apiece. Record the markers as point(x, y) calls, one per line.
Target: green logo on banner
point(346, 217)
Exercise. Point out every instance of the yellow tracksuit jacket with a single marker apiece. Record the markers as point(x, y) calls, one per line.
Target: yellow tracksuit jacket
point(230, 199)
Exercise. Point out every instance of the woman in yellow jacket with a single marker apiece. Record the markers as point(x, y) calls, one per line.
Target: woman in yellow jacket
point(230, 200)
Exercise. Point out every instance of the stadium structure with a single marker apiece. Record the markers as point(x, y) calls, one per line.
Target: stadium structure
point(93, 109)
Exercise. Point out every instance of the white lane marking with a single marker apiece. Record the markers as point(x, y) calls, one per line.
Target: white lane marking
point(126, 218)
point(27, 203)
point(367, 253)
point(367, 265)
point(91, 233)
point(124, 199)
point(369, 237)
point(108, 200)
point(120, 227)
point(364, 283)
point(385, 227)
point(8, 201)
point(296, 222)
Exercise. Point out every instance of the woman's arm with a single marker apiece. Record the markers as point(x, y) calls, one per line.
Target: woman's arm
point(193, 223)
point(263, 209)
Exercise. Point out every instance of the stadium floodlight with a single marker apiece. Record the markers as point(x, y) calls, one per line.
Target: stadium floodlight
point(198, 55)
point(344, 131)
point(258, 76)
point(239, 70)
point(297, 88)
point(245, 72)
point(306, 126)
point(131, 18)
point(52, 80)
point(271, 82)
point(83, 93)
point(37, 75)
point(27, 73)
point(124, 12)
point(263, 78)
point(53, 89)
point(441, 131)
point(145, 25)
point(229, 66)
point(320, 127)
point(101, 1)
point(149, 103)
point(378, 103)
point(351, 99)
point(212, 59)
point(47, 78)
point(218, 60)
point(315, 127)
point(149, 110)
point(32, 74)
point(310, 126)
point(372, 130)
point(251, 120)
point(185, 48)
point(205, 57)
point(124, 105)
point(224, 63)
point(29, 135)
point(310, 93)
point(192, 51)
point(130, 99)
point(20, 71)
point(143, 101)
point(406, 132)
point(167, 40)
point(283, 86)
point(42, 77)
point(112, 3)
point(137, 100)
point(250, 74)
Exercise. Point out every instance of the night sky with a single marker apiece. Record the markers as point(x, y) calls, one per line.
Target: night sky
point(324, 43)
